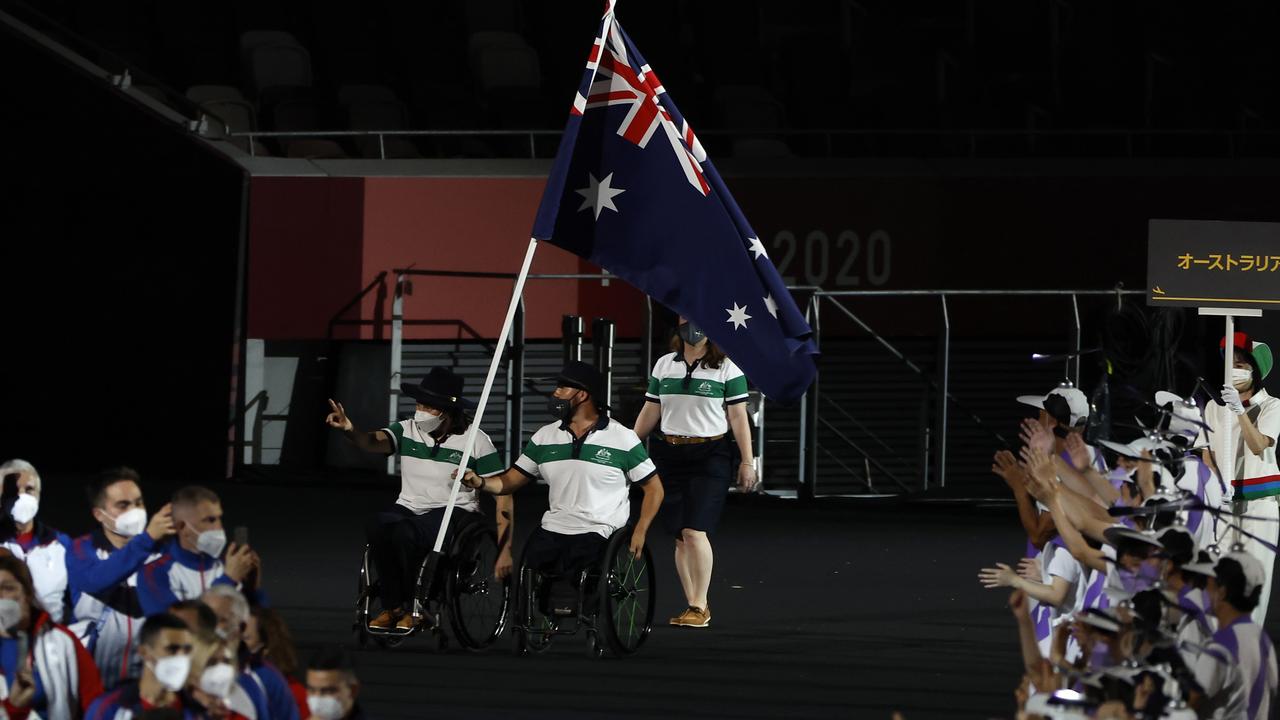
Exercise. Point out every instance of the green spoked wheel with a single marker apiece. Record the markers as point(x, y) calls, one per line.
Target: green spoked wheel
point(626, 595)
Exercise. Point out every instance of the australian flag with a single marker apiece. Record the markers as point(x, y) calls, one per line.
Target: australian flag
point(633, 192)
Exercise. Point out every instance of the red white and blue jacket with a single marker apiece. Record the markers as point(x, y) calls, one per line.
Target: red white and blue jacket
point(125, 703)
point(177, 574)
point(45, 553)
point(104, 599)
point(67, 680)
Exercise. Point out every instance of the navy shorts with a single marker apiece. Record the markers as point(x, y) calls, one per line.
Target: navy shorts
point(695, 481)
point(564, 555)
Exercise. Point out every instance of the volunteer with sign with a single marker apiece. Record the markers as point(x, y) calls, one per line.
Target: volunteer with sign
point(1251, 419)
point(695, 395)
point(430, 447)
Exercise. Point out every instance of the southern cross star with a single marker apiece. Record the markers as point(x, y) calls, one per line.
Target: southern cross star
point(771, 305)
point(598, 195)
point(757, 247)
point(738, 316)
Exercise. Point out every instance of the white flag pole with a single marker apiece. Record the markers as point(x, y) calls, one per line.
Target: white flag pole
point(579, 103)
point(1227, 466)
point(516, 292)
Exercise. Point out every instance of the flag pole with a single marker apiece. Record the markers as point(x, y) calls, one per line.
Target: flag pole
point(1228, 465)
point(516, 292)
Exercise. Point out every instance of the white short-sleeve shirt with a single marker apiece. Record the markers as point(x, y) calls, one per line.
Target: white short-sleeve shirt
point(589, 477)
point(426, 467)
point(693, 397)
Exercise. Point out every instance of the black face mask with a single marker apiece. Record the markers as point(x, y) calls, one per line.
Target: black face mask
point(560, 409)
point(691, 334)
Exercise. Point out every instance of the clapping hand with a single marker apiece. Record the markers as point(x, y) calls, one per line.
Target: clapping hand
point(1034, 435)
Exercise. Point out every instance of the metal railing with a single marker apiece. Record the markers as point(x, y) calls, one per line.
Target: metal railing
point(878, 142)
point(810, 449)
point(811, 421)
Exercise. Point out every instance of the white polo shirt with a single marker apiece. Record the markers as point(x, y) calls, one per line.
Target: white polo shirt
point(426, 468)
point(589, 477)
point(693, 397)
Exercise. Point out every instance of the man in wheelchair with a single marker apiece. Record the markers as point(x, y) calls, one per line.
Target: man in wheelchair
point(589, 464)
point(430, 447)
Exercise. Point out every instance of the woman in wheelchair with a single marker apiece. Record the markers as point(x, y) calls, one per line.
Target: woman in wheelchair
point(430, 447)
point(589, 464)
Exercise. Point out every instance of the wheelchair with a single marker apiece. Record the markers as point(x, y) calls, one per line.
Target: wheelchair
point(461, 587)
point(613, 602)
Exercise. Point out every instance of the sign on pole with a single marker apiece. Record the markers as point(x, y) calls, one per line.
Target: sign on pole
point(1229, 269)
point(1212, 263)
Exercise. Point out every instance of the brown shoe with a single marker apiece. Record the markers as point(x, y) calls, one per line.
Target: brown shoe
point(694, 617)
point(406, 622)
point(385, 620)
point(679, 619)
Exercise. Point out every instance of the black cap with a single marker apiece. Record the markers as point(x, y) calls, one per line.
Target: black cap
point(580, 375)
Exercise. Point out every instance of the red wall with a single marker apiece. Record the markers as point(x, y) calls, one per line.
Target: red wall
point(315, 243)
point(304, 253)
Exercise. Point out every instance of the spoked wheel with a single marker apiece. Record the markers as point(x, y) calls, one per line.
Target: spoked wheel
point(626, 595)
point(366, 599)
point(532, 631)
point(478, 602)
point(368, 606)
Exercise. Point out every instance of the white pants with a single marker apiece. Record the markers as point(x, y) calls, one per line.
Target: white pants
point(1266, 526)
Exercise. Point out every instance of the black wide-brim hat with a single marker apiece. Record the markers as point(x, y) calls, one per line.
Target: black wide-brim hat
point(441, 388)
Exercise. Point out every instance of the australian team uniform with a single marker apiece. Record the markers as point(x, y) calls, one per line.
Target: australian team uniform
point(691, 450)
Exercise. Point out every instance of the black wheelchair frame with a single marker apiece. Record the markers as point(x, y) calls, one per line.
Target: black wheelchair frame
point(446, 586)
point(619, 588)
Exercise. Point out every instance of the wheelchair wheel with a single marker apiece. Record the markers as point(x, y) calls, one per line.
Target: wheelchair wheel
point(533, 629)
point(626, 595)
point(367, 589)
point(478, 602)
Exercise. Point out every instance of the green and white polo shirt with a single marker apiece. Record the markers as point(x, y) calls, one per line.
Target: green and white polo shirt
point(588, 477)
point(426, 468)
point(693, 398)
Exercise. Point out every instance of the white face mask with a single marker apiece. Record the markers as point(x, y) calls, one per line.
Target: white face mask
point(427, 422)
point(10, 613)
point(130, 522)
point(25, 508)
point(217, 680)
point(172, 671)
point(325, 707)
point(211, 542)
point(1241, 378)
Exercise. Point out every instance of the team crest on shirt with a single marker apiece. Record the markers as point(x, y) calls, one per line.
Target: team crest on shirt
point(454, 457)
point(704, 388)
point(603, 454)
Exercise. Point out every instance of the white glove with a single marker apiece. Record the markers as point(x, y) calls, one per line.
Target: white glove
point(1231, 398)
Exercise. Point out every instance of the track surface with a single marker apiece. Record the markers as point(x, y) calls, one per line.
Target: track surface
point(830, 610)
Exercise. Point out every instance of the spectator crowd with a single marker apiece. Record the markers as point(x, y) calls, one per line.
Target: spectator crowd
point(147, 616)
point(1146, 578)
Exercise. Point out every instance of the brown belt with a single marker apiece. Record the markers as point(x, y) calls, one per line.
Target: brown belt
point(686, 440)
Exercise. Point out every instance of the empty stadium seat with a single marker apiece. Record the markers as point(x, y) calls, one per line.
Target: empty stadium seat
point(278, 65)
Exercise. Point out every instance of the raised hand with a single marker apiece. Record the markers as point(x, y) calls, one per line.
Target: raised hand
point(1006, 466)
point(999, 576)
point(1029, 569)
point(1042, 481)
point(1034, 435)
point(1078, 451)
point(338, 418)
point(161, 525)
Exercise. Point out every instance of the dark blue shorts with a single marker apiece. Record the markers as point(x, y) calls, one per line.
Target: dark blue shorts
point(564, 555)
point(695, 481)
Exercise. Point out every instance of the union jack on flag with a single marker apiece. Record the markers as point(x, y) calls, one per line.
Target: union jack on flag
point(654, 212)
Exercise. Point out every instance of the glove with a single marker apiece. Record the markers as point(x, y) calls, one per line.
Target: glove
point(1231, 398)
